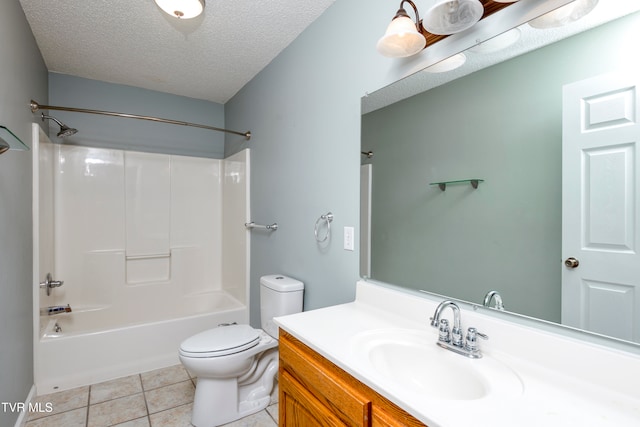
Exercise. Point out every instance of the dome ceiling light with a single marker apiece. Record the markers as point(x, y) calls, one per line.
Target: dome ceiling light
point(181, 9)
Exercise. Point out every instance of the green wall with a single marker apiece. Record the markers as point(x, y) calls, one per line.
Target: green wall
point(130, 134)
point(23, 76)
point(304, 114)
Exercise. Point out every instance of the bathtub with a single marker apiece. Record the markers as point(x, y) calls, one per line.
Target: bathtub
point(86, 347)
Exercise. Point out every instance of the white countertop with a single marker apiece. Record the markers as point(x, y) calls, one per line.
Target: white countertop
point(565, 382)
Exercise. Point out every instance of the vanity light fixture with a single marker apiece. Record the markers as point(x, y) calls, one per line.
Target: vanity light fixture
point(181, 9)
point(403, 36)
point(447, 17)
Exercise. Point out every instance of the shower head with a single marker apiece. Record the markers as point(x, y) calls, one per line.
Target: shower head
point(64, 129)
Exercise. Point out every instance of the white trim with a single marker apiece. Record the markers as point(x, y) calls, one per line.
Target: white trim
point(24, 415)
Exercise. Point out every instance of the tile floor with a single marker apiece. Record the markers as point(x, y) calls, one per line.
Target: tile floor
point(160, 398)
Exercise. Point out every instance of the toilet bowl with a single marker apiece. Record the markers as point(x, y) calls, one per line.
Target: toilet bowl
point(236, 365)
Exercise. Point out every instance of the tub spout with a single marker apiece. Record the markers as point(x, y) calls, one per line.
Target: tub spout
point(55, 309)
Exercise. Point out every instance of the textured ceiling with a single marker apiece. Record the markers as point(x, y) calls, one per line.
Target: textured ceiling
point(132, 42)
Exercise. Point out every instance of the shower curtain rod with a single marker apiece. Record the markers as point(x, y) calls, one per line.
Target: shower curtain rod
point(35, 107)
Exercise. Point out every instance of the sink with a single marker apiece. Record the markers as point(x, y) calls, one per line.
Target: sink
point(410, 359)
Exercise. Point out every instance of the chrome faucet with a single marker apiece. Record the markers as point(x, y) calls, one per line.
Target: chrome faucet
point(455, 335)
point(49, 283)
point(452, 339)
point(495, 296)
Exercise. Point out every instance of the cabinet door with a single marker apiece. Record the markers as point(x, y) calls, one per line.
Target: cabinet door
point(335, 390)
point(298, 407)
point(315, 392)
point(388, 415)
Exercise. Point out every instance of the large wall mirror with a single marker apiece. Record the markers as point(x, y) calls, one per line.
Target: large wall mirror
point(501, 125)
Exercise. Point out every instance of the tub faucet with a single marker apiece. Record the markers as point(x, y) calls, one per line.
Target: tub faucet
point(55, 309)
point(49, 283)
point(452, 339)
point(496, 297)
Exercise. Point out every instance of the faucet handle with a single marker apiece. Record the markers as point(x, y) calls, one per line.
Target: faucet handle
point(471, 342)
point(444, 334)
point(49, 283)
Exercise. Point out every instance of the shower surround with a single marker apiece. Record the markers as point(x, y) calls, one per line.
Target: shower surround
point(152, 248)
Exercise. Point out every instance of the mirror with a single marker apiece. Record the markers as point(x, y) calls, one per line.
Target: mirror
point(501, 125)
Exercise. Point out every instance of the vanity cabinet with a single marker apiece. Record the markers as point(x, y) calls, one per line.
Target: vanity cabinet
point(315, 392)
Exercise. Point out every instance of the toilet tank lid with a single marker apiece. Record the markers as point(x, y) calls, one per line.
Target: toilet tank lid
point(281, 283)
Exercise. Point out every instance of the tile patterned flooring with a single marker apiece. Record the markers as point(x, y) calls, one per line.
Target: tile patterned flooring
point(160, 398)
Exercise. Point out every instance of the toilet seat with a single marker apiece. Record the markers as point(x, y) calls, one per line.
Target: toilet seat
point(220, 341)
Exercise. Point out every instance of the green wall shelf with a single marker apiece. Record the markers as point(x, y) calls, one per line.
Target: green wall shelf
point(443, 185)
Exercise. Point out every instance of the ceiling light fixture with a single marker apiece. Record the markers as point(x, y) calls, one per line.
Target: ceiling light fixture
point(181, 9)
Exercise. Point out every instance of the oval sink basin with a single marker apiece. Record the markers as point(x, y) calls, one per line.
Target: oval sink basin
point(411, 359)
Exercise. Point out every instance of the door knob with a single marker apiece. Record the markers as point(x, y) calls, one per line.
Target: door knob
point(571, 262)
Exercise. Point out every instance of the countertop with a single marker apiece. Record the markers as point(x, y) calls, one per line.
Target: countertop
point(564, 382)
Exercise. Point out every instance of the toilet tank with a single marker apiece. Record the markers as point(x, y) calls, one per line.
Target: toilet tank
point(279, 295)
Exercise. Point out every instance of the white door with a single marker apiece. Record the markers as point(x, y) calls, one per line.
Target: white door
point(600, 205)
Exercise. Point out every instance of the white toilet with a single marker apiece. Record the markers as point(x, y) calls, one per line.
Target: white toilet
point(236, 365)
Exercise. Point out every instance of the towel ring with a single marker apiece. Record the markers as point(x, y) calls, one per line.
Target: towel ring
point(326, 218)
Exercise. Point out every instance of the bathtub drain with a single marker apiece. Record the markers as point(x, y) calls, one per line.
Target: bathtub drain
point(57, 328)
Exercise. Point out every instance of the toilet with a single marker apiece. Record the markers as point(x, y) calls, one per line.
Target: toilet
point(236, 365)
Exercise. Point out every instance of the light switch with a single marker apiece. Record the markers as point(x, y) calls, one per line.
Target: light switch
point(348, 238)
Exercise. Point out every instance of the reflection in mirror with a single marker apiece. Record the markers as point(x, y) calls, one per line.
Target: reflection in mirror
point(502, 124)
point(497, 49)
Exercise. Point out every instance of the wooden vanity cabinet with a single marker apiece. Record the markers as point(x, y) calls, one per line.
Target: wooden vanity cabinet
point(315, 392)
